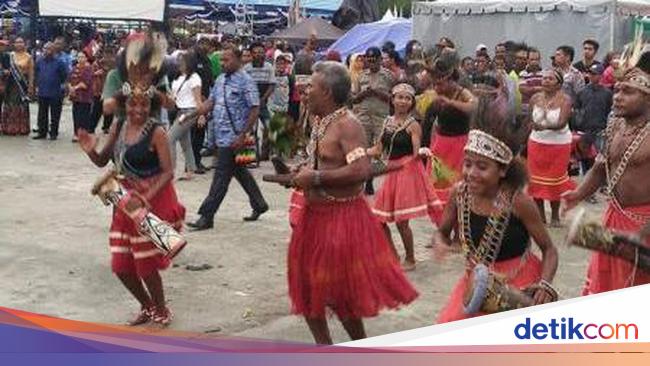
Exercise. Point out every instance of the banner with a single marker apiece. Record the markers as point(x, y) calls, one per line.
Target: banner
point(110, 9)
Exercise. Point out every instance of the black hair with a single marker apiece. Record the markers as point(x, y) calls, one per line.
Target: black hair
point(533, 50)
point(518, 47)
point(494, 119)
point(393, 55)
point(593, 43)
point(388, 46)
point(445, 65)
point(236, 51)
point(255, 45)
point(409, 47)
point(568, 50)
point(374, 51)
point(190, 62)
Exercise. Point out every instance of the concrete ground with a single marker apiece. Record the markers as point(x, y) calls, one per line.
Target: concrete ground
point(54, 256)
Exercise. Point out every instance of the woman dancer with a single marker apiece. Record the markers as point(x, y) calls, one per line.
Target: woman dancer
point(448, 121)
point(549, 145)
point(406, 193)
point(140, 150)
point(494, 218)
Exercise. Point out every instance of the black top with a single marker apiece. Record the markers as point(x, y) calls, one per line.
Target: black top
point(447, 122)
point(515, 241)
point(140, 159)
point(592, 106)
point(402, 143)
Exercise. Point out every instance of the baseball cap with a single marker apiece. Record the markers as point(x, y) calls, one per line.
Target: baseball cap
point(596, 69)
point(481, 46)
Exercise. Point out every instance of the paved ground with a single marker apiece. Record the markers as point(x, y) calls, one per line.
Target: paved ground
point(54, 255)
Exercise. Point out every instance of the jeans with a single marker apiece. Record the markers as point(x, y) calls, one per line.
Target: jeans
point(49, 107)
point(181, 132)
point(223, 173)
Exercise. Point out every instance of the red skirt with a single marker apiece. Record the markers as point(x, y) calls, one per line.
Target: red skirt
point(406, 193)
point(607, 273)
point(339, 258)
point(548, 167)
point(297, 204)
point(450, 150)
point(133, 253)
point(528, 270)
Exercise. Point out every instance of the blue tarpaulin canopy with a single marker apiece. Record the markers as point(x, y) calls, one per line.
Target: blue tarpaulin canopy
point(363, 36)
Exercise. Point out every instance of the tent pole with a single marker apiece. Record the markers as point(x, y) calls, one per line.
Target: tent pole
point(612, 25)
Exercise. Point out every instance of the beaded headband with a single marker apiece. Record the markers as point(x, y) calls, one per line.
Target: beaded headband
point(403, 88)
point(486, 145)
point(636, 78)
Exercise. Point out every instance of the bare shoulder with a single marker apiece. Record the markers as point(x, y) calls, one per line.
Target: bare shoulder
point(535, 98)
point(349, 129)
point(159, 133)
point(524, 206)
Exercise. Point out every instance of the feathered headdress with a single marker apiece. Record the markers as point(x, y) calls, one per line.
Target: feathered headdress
point(144, 57)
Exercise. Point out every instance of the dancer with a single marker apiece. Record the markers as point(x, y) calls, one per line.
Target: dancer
point(140, 151)
point(448, 121)
point(495, 219)
point(622, 168)
point(339, 257)
point(406, 193)
point(549, 145)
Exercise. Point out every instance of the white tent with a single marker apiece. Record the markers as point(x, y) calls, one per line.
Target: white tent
point(544, 24)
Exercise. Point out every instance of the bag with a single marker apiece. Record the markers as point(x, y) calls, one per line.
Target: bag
point(173, 111)
point(246, 154)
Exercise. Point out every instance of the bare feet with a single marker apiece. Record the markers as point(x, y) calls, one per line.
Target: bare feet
point(163, 316)
point(408, 265)
point(143, 317)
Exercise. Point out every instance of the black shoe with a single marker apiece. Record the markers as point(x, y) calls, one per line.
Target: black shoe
point(200, 169)
point(39, 137)
point(256, 214)
point(201, 224)
point(53, 137)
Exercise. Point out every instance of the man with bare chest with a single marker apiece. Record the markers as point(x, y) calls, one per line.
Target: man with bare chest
point(339, 257)
point(623, 169)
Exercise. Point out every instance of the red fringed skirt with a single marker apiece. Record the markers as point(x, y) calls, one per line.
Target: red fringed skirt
point(607, 273)
point(297, 204)
point(450, 153)
point(525, 271)
point(406, 193)
point(548, 167)
point(339, 258)
point(132, 252)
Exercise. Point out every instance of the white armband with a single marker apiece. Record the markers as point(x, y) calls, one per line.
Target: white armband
point(355, 155)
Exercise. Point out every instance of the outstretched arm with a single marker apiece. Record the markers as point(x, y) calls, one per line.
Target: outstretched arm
point(89, 144)
point(526, 209)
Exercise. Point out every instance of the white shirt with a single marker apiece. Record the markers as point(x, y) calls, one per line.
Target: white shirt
point(182, 91)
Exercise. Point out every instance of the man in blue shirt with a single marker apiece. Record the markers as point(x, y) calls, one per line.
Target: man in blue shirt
point(51, 74)
point(234, 102)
